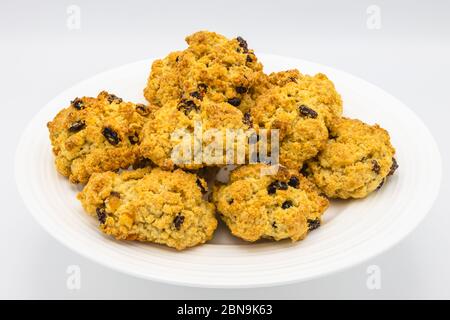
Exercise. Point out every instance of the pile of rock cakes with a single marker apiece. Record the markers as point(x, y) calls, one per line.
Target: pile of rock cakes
point(122, 152)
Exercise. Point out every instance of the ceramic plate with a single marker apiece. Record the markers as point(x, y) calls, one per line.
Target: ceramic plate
point(352, 232)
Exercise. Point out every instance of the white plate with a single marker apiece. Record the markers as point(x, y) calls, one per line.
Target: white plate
point(353, 231)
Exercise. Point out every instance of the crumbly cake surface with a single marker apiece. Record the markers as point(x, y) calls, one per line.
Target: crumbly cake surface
point(160, 146)
point(281, 206)
point(301, 127)
point(151, 205)
point(96, 135)
point(317, 90)
point(356, 160)
point(224, 70)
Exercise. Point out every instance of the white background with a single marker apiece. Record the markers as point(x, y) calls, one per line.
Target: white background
point(40, 57)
